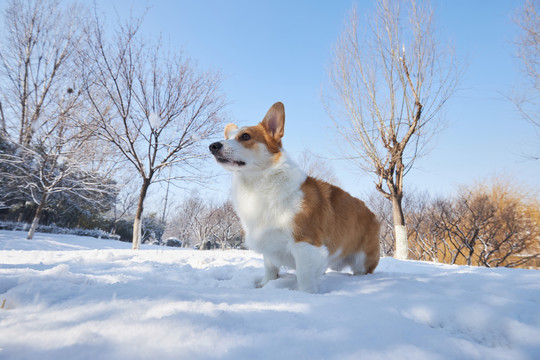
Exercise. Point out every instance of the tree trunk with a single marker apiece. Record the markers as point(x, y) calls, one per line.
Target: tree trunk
point(166, 198)
point(3, 128)
point(400, 230)
point(35, 222)
point(137, 223)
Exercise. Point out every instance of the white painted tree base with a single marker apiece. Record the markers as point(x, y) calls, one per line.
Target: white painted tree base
point(402, 245)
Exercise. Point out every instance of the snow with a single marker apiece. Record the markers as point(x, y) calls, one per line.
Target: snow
point(69, 297)
point(155, 120)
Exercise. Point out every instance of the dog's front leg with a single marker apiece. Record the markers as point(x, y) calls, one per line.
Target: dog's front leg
point(311, 263)
point(270, 272)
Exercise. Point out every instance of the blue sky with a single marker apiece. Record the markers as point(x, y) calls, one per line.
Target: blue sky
point(280, 50)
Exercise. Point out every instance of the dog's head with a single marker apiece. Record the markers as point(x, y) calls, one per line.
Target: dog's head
point(252, 148)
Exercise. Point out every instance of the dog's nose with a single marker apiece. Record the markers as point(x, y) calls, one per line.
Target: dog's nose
point(215, 147)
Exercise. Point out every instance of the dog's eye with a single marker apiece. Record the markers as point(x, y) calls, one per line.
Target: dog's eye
point(245, 137)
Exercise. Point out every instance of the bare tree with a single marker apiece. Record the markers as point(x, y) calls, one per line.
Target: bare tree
point(202, 223)
point(56, 161)
point(391, 78)
point(198, 221)
point(489, 228)
point(528, 51)
point(183, 220)
point(459, 235)
point(227, 226)
point(153, 106)
point(36, 66)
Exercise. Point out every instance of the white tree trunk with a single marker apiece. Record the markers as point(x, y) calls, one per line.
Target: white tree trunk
point(137, 223)
point(33, 228)
point(402, 244)
point(37, 216)
point(136, 234)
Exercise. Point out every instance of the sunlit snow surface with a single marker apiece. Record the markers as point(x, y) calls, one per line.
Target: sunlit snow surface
point(68, 297)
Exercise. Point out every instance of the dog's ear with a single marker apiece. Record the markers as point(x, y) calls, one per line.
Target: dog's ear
point(274, 121)
point(228, 129)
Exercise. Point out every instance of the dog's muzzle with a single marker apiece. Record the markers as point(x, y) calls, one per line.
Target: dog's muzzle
point(215, 147)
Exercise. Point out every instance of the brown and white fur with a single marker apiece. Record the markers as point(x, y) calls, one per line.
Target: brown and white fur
point(292, 219)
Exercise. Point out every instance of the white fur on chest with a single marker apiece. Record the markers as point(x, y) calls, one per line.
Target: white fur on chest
point(267, 203)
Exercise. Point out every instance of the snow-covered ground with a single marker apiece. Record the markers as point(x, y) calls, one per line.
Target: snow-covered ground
point(68, 297)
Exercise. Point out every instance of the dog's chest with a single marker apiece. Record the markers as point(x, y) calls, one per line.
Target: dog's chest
point(267, 206)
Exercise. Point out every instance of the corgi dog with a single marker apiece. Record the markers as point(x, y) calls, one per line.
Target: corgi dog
point(292, 219)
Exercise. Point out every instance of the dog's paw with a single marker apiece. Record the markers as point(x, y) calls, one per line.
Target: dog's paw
point(259, 282)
